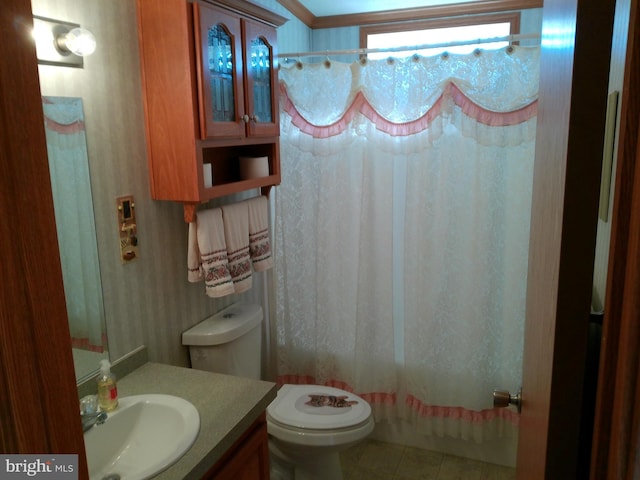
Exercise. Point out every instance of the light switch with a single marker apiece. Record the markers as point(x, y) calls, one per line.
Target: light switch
point(127, 229)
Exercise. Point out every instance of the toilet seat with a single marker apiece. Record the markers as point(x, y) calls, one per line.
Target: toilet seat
point(294, 408)
point(309, 437)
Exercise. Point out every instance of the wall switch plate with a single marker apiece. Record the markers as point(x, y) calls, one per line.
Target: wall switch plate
point(127, 229)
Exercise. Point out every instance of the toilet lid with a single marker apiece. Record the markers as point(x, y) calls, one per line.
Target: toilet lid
point(318, 407)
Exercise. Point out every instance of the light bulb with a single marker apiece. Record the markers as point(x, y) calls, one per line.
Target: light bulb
point(79, 41)
point(41, 34)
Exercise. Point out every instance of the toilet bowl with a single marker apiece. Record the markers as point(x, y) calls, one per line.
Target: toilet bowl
point(308, 425)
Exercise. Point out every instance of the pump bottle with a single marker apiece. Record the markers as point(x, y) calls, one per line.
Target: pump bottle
point(107, 389)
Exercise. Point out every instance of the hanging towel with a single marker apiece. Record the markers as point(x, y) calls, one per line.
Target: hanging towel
point(259, 245)
point(195, 273)
point(236, 235)
point(212, 254)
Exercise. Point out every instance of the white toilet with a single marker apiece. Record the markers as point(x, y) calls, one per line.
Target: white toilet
point(308, 425)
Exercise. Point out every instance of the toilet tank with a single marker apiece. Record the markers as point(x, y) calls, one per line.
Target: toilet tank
point(228, 342)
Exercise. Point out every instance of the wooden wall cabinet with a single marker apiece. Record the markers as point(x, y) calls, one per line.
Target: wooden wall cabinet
point(248, 458)
point(210, 94)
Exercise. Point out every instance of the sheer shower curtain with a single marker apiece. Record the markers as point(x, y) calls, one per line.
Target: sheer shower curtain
point(401, 233)
point(71, 186)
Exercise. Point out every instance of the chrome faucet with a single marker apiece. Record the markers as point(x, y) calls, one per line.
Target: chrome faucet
point(91, 419)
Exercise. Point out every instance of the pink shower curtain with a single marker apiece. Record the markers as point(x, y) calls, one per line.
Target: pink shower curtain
point(401, 236)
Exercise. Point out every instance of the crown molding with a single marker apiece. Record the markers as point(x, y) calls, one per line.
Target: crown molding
point(300, 11)
point(253, 10)
point(404, 15)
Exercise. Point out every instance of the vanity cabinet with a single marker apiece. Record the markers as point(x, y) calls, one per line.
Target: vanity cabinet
point(248, 459)
point(210, 94)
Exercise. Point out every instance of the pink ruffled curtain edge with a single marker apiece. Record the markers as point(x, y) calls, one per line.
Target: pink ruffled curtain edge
point(420, 409)
point(70, 129)
point(84, 343)
point(360, 104)
point(62, 128)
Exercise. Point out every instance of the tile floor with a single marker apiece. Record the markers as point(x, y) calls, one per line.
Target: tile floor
point(374, 460)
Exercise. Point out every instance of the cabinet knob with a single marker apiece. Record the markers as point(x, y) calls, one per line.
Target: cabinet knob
point(254, 118)
point(245, 118)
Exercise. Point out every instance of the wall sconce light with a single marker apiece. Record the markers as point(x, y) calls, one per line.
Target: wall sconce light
point(61, 43)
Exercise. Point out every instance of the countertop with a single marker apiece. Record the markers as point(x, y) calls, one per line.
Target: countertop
point(227, 405)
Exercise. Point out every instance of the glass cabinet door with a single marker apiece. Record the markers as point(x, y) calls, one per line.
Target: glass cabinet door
point(221, 71)
point(261, 79)
point(221, 74)
point(259, 69)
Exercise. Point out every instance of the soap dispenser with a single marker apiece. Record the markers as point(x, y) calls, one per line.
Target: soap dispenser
point(107, 389)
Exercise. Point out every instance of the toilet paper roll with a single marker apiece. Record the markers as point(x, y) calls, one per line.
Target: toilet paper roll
point(208, 175)
point(254, 167)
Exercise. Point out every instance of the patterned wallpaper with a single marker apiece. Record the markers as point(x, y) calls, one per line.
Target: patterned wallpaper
point(148, 302)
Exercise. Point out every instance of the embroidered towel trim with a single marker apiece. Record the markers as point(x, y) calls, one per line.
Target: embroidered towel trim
point(212, 254)
point(259, 244)
point(236, 234)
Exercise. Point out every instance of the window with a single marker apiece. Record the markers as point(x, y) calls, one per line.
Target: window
point(441, 31)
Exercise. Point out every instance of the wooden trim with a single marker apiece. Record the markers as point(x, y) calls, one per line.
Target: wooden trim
point(513, 18)
point(408, 14)
point(299, 11)
point(616, 422)
point(39, 398)
point(251, 10)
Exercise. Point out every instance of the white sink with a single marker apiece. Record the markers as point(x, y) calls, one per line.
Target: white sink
point(145, 435)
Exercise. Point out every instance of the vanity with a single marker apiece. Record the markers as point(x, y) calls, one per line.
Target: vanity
point(232, 442)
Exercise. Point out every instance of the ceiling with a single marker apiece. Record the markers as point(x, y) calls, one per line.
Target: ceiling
point(323, 8)
point(317, 14)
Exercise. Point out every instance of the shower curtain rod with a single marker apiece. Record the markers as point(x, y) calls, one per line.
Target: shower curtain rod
point(364, 51)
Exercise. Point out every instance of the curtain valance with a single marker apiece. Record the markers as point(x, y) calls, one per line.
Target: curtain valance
point(487, 86)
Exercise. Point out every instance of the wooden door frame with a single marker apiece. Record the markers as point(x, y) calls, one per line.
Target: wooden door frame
point(574, 77)
point(39, 412)
point(617, 423)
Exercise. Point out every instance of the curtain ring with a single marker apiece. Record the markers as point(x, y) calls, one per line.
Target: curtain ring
point(445, 55)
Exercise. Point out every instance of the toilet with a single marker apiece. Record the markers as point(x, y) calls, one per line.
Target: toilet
point(308, 425)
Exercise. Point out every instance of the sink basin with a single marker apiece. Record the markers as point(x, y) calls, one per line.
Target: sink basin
point(145, 435)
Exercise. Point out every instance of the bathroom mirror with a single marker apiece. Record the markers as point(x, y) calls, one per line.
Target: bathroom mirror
point(75, 224)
